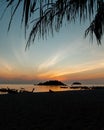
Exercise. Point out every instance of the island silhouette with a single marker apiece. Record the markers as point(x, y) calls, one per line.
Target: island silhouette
point(52, 82)
point(76, 83)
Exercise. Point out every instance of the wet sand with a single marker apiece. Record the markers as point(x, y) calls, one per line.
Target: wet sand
point(73, 110)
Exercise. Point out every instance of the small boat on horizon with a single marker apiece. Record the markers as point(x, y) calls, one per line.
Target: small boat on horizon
point(76, 83)
point(63, 87)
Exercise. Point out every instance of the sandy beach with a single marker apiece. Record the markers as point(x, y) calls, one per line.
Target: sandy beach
point(72, 110)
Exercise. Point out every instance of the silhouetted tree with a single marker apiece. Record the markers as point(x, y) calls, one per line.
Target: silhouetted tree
point(45, 16)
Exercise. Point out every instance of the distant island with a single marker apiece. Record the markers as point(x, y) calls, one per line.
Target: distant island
point(76, 83)
point(52, 82)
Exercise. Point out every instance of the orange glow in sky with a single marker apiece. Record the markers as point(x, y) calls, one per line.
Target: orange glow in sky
point(66, 56)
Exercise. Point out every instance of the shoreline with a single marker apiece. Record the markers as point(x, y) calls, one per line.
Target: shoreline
point(44, 88)
point(69, 110)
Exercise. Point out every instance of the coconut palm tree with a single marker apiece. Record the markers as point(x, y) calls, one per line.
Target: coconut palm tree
point(47, 16)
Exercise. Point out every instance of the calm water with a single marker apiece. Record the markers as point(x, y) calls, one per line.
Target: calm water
point(37, 88)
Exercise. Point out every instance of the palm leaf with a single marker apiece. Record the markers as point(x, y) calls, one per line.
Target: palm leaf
point(52, 13)
point(97, 25)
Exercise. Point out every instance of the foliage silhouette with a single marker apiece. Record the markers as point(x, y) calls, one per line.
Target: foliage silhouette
point(50, 14)
point(52, 82)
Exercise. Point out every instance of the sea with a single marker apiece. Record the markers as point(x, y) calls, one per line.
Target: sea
point(42, 88)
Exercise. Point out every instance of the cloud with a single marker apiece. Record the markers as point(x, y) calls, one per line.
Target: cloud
point(94, 69)
point(50, 62)
point(74, 70)
point(5, 66)
point(55, 58)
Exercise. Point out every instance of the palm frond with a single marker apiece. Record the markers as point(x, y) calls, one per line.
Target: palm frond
point(52, 17)
point(97, 25)
point(16, 7)
point(51, 14)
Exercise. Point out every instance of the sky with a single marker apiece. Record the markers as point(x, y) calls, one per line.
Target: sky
point(66, 56)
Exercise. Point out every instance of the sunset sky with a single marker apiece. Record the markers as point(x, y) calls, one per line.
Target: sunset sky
point(66, 56)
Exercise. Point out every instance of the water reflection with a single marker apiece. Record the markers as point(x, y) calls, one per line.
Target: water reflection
point(42, 88)
point(53, 88)
point(36, 88)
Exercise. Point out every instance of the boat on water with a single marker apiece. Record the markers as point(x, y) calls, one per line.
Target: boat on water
point(63, 87)
point(76, 83)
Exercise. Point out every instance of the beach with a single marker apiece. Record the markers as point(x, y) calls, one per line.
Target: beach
point(70, 110)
